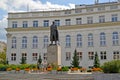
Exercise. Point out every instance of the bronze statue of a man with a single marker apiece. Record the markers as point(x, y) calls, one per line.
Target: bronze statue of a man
point(54, 33)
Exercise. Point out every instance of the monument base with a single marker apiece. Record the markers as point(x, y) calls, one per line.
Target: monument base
point(54, 54)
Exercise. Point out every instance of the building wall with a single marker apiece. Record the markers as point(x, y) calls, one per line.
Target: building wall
point(108, 27)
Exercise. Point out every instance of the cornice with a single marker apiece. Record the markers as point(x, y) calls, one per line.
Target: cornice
point(68, 15)
point(72, 27)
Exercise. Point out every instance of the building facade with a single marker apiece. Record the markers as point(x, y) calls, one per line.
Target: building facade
point(89, 29)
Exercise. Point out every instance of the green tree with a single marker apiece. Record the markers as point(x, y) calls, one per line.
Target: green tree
point(3, 56)
point(23, 60)
point(75, 61)
point(96, 61)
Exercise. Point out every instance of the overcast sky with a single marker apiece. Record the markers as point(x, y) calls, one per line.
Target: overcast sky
point(22, 5)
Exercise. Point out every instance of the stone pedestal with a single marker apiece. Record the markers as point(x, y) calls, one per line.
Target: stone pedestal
point(54, 54)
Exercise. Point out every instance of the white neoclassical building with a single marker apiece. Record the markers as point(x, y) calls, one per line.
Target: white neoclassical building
point(89, 29)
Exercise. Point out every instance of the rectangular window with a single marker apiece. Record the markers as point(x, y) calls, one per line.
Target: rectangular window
point(68, 56)
point(114, 7)
point(90, 10)
point(114, 17)
point(116, 55)
point(68, 22)
point(14, 42)
point(14, 24)
point(67, 11)
point(79, 54)
point(101, 8)
point(13, 57)
point(57, 22)
point(35, 23)
point(91, 55)
point(46, 23)
point(103, 55)
point(89, 20)
point(45, 56)
point(34, 55)
point(78, 21)
point(25, 24)
point(24, 55)
point(78, 10)
point(101, 19)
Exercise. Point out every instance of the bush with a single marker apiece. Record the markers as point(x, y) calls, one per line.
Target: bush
point(23, 66)
point(111, 66)
point(13, 66)
point(3, 67)
point(65, 68)
point(32, 66)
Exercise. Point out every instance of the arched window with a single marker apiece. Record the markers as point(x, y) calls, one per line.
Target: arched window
point(35, 41)
point(102, 39)
point(14, 41)
point(90, 39)
point(68, 41)
point(79, 40)
point(45, 41)
point(24, 42)
point(115, 38)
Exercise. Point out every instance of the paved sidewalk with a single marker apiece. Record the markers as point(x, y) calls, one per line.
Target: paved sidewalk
point(53, 76)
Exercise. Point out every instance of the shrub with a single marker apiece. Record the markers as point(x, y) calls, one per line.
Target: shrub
point(13, 66)
point(23, 66)
point(111, 66)
point(3, 67)
point(32, 66)
point(65, 68)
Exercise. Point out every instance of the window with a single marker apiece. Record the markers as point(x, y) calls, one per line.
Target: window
point(90, 40)
point(35, 23)
point(79, 54)
point(102, 39)
point(24, 42)
point(45, 41)
point(78, 20)
point(89, 20)
point(57, 22)
point(34, 55)
point(67, 12)
point(78, 10)
point(101, 8)
point(25, 24)
point(46, 23)
point(89, 9)
point(13, 57)
point(68, 22)
point(14, 41)
point(14, 24)
point(115, 38)
point(68, 41)
point(68, 56)
point(91, 55)
point(45, 56)
point(24, 55)
point(79, 40)
point(113, 6)
point(101, 19)
point(35, 42)
point(116, 55)
point(114, 17)
point(103, 55)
